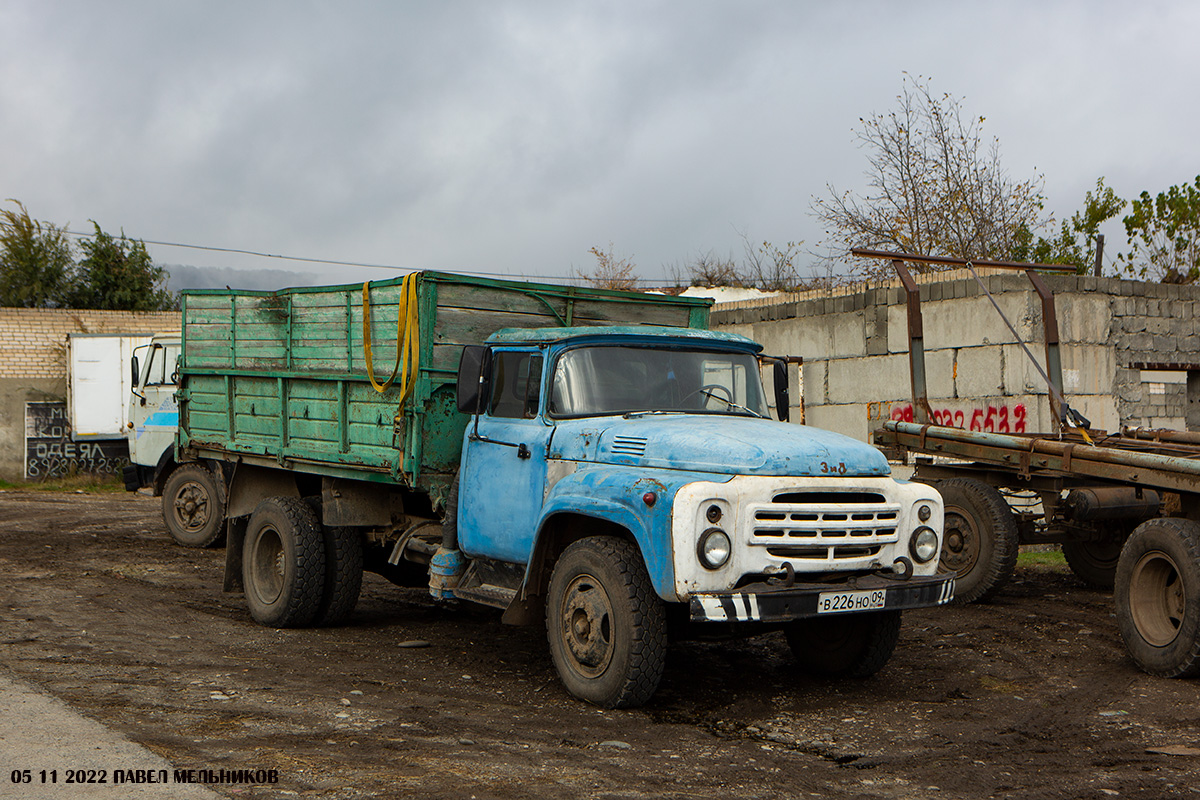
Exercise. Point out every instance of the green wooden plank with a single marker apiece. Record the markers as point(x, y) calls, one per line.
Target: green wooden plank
point(598, 313)
point(313, 409)
point(460, 327)
point(257, 388)
point(199, 422)
point(263, 426)
point(314, 430)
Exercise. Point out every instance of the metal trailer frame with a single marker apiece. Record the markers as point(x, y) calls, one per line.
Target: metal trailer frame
point(1136, 488)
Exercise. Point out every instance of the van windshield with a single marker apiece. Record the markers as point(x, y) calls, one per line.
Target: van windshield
point(600, 381)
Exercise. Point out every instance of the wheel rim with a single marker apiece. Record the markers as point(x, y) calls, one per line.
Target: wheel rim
point(191, 506)
point(267, 566)
point(586, 628)
point(1156, 598)
point(960, 545)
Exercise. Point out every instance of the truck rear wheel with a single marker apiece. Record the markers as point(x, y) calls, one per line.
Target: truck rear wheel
point(980, 541)
point(283, 563)
point(343, 575)
point(844, 645)
point(192, 506)
point(1094, 563)
point(1157, 596)
point(605, 624)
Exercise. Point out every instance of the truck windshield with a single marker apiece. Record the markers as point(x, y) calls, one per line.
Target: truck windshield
point(598, 381)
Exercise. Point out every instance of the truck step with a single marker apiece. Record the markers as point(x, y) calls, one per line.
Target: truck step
point(487, 594)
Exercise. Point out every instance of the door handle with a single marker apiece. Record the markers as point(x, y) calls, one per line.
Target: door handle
point(523, 451)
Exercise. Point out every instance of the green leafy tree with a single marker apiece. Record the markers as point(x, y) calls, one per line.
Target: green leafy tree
point(1164, 235)
point(117, 273)
point(936, 187)
point(35, 261)
point(1076, 240)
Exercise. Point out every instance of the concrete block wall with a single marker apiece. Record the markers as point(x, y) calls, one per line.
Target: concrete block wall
point(33, 365)
point(855, 344)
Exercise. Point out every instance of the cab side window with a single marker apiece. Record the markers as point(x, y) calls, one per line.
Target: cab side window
point(162, 365)
point(516, 385)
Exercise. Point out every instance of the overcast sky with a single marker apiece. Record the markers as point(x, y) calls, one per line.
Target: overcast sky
point(509, 137)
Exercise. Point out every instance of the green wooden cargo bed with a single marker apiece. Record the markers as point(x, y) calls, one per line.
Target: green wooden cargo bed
point(280, 378)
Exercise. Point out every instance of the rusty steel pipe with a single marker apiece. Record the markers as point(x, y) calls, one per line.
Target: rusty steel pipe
point(1076, 452)
point(1161, 435)
point(946, 261)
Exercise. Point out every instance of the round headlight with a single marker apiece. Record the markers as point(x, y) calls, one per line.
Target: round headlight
point(923, 545)
point(714, 548)
point(924, 513)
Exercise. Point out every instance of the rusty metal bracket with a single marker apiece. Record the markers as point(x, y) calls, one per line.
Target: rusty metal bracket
point(1024, 465)
point(1067, 454)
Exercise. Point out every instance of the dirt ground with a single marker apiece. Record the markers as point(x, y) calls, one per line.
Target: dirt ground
point(1029, 696)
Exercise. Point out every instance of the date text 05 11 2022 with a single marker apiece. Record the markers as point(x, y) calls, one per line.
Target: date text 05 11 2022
point(122, 776)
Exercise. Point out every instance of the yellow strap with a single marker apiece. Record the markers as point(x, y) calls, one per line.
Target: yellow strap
point(407, 338)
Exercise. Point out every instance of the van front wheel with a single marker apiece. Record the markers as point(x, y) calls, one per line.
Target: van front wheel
point(192, 507)
point(605, 624)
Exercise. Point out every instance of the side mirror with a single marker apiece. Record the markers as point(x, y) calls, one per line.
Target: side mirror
point(782, 400)
point(473, 377)
point(133, 364)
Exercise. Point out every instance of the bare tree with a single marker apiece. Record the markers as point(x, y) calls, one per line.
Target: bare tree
point(709, 269)
point(935, 186)
point(770, 267)
point(611, 271)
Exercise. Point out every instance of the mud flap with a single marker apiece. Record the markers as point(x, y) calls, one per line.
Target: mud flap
point(235, 537)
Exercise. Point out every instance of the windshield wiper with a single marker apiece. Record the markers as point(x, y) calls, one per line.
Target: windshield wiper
point(732, 404)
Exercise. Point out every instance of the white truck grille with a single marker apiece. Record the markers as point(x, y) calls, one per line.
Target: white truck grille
point(824, 525)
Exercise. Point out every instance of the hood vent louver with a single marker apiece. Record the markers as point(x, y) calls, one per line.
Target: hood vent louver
point(628, 445)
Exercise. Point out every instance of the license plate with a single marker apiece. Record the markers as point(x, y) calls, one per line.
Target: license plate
point(841, 602)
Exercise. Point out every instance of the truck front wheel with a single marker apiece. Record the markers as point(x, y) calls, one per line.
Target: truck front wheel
point(1157, 596)
point(192, 507)
point(283, 563)
point(606, 625)
point(979, 544)
point(844, 645)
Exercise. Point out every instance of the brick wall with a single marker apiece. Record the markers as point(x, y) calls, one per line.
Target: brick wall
point(33, 367)
point(33, 341)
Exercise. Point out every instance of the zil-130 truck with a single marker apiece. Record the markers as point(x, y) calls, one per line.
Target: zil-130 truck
point(594, 461)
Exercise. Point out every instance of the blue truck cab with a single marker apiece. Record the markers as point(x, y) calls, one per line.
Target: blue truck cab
point(627, 482)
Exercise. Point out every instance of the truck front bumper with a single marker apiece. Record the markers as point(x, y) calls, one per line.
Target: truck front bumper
point(762, 602)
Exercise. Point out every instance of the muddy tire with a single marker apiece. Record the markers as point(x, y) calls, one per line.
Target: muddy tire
point(844, 645)
point(979, 544)
point(343, 575)
point(605, 624)
point(1094, 563)
point(283, 563)
point(1157, 596)
point(192, 507)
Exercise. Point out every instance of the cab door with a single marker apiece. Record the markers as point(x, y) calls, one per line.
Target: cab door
point(504, 469)
point(153, 410)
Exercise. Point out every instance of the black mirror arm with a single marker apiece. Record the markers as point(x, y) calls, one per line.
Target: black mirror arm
point(485, 363)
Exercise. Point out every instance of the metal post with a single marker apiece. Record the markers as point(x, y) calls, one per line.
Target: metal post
point(1099, 255)
point(916, 345)
point(1053, 357)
